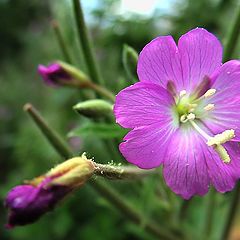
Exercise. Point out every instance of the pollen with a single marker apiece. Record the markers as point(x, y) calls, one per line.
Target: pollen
point(209, 107)
point(210, 92)
point(182, 93)
point(221, 138)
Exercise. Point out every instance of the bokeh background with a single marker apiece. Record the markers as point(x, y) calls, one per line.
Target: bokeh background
point(27, 39)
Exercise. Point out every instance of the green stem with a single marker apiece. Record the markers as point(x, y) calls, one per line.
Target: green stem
point(232, 213)
point(53, 137)
point(130, 212)
point(61, 42)
point(102, 91)
point(209, 214)
point(86, 44)
point(183, 210)
point(121, 172)
point(232, 38)
point(102, 188)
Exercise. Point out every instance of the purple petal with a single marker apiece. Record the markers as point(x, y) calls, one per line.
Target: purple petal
point(191, 171)
point(201, 55)
point(142, 104)
point(226, 114)
point(146, 146)
point(159, 62)
point(185, 170)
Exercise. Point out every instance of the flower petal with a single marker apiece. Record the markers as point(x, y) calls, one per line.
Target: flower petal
point(159, 62)
point(201, 54)
point(223, 175)
point(146, 146)
point(226, 114)
point(191, 171)
point(142, 104)
point(184, 168)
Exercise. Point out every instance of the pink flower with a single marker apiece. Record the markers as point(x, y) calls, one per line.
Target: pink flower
point(54, 74)
point(184, 114)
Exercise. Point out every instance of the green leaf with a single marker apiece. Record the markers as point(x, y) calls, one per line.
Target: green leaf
point(100, 130)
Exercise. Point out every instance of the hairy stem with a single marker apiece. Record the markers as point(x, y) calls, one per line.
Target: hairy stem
point(102, 188)
point(86, 44)
point(233, 37)
point(121, 172)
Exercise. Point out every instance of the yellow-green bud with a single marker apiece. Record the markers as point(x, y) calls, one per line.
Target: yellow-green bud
point(95, 108)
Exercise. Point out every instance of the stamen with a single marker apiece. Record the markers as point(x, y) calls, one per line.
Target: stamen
point(191, 116)
point(221, 138)
point(183, 118)
point(182, 93)
point(223, 154)
point(210, 92)
point(209, 107)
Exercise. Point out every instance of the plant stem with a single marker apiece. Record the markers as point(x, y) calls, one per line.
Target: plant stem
point(102, 188)
point(232, 213)
point(86, 44)
point(209, 214)
point(53, 137)
point(102, 91)
point(121, 172)
point(233, 37)
point(128, 210)
point(61, 42)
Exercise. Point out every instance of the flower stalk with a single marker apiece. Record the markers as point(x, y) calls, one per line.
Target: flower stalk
point(86, 45)
point(61, 42)
point(121, 172)
point(102, 188)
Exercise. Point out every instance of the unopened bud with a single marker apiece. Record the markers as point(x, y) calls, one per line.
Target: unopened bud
point(27, 203)
point(63, 74)
point(95, 108)
point(130, 58)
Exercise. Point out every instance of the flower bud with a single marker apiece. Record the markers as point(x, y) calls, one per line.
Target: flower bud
point(95, 108)
point(27, 203)
point(63, 74)
point(130, 58)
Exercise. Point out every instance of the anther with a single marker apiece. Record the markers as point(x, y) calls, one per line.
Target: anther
point(191, 116)
point(209, 107)
point(210, 92)
point(183, 118)
point(182, 93)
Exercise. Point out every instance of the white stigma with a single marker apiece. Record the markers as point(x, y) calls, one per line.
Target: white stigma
point(221, 138)
point(209, 107)
point(191, 116)
point(210, 92)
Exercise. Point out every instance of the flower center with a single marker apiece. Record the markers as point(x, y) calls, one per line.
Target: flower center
point(187, 108)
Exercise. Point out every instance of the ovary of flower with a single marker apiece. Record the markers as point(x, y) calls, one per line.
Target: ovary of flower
point(221, 138)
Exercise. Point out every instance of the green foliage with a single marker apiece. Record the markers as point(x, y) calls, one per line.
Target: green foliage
point(99, 130)
point(27, 40)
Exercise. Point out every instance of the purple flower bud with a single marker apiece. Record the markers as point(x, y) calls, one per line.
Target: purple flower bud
point(27, 203)
point(53, 74)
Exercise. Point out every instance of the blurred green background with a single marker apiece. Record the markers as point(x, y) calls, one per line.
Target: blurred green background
point(27, 40)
